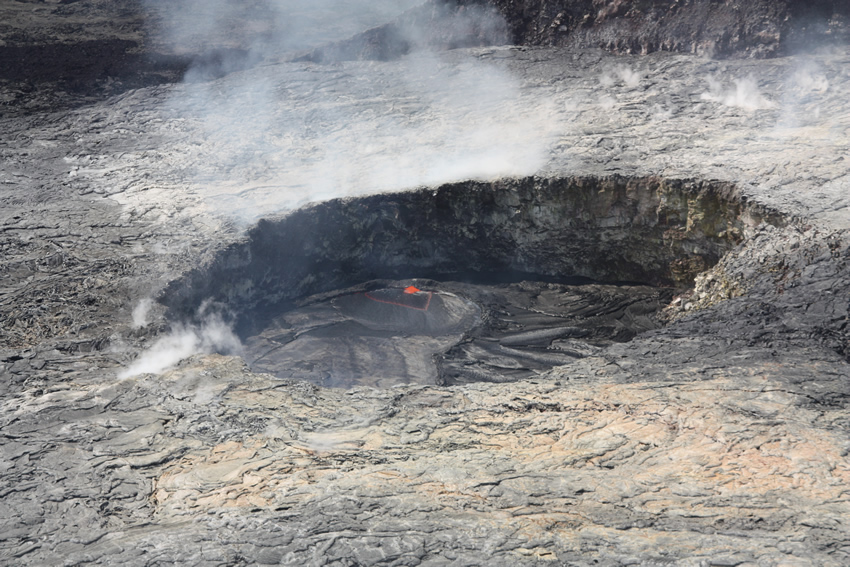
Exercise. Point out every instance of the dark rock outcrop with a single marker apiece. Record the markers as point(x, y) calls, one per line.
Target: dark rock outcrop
point(758, 29)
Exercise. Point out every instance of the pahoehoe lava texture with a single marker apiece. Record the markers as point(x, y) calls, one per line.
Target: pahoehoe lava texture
point(381, 336)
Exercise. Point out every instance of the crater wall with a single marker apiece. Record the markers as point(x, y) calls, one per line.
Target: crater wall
point(615, 229)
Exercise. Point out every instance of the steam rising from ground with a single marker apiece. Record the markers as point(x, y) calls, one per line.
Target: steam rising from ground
point(263, 135)
point(744, 94)
point(140, 313)
point(621, 73)
point(806, 85)
point(267, 28)
point(184, 340)
point(278, 136)
point(268, 135)
point(808, 78)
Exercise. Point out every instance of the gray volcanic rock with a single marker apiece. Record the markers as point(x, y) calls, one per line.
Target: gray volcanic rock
point(759, 28)
point(719, 439)
point(762, 28)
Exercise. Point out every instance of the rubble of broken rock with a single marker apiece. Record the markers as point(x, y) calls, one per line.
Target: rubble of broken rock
point(720, 438)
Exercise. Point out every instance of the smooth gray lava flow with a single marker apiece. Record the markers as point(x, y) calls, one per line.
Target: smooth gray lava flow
point(428, 332)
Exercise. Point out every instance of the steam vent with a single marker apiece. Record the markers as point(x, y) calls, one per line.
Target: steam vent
point(425, 283)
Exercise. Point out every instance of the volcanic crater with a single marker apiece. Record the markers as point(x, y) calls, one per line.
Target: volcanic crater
point(474, 281)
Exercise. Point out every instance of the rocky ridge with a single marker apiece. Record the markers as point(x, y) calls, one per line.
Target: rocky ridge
point(715, 29)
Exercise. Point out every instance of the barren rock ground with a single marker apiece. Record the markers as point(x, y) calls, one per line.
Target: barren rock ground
point(720, 438)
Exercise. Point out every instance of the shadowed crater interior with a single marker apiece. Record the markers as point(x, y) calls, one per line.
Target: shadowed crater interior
point(474, 281)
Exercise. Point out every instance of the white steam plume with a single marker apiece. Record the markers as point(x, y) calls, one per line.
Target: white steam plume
point(607, 102)
point(805, 90)
point(630, 77)
point(212, 335)
point(266, 28)
point(140, 313)
point(625, 74)
point(808, 78)
point(277, 136)
point(745, 94)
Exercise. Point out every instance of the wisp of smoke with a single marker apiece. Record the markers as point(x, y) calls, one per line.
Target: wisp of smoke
point(624, 73)
point(607, 102)
point(140, 313)
point(630, 77)
point(211, 335)
point(808, 78)
point(277, 136)
point(619, 74)
point(804, 90)
point(264, 28)
point(745, 94)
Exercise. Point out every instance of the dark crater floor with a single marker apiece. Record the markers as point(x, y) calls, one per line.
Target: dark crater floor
point(430, 332)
